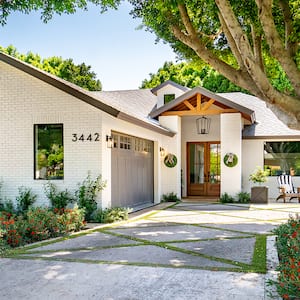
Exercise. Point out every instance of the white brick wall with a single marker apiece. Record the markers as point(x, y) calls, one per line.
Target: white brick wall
point(26, 101)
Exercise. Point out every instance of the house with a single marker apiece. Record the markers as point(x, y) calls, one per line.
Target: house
point(144, 143)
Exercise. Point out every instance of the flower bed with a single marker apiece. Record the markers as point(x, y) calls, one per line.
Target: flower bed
point(38, 224)
point(288, 246)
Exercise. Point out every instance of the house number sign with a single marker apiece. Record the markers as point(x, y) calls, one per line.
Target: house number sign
point(92, 137)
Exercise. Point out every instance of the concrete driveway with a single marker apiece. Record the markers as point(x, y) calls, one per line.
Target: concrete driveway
point(188, 251)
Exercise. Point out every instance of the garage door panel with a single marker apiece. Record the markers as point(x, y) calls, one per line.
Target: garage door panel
point(132, 171)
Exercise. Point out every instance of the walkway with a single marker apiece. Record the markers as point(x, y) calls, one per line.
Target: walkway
point(188, 251)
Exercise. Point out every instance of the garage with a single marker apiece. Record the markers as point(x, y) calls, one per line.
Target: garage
point(132, 171)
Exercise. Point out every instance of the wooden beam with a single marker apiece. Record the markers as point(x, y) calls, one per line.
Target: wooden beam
point(201, 113)
point(198, 102)
point(208, 104)
point(188, 105)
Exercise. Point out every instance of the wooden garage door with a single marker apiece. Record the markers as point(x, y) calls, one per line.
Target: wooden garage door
point(132, 171)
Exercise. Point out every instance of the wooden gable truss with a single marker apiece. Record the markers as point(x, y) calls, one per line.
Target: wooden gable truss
point(197, 105)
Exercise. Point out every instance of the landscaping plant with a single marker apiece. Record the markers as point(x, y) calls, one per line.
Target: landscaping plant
point(110, 215)
point(38, 224)
point(87, 192)
point(58, 199)
point(25, 199)
point(170, 197)
point(288, 246)
point(225, 198)
point(243, 197)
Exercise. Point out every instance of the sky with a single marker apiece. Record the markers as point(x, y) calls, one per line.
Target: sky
point(121, 55)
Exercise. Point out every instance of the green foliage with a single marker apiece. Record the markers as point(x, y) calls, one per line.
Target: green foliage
point(80, 75)
point(87, 192)
point(243, 197)
point(7, 205)
point(25, 199)
point(38, 224)
point(288, 246)
point(110, 215)
point(258, 176)
point(191, 74)
point(50, 7)
point(58, 199)
point(170, 197)
point(225, 198)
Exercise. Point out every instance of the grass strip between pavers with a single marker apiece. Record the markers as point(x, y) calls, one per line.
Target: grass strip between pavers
point(258, 262)
point(137, 264)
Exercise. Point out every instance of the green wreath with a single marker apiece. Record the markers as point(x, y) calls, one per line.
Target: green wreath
point(230, 160)
point(170, 160)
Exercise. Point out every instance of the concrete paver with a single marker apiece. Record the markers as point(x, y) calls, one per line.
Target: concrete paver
point(160, 256)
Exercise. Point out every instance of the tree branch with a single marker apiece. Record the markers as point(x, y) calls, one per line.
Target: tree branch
point(276, 45)
point(290, 46)
point(231, 42)
point(257, 48)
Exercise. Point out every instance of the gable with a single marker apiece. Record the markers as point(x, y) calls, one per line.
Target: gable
point(200, 101)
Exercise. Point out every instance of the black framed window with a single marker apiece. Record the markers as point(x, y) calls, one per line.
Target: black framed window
point(168, 98)
point(48, 151)
point(282, 157)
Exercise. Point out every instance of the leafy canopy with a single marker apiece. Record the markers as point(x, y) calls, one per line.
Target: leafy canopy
point(80, 75)
point(236, 38)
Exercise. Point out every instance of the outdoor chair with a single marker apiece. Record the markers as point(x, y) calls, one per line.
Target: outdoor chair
point(286, 188)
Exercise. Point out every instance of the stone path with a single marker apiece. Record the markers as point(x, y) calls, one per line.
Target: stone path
point(188, 251)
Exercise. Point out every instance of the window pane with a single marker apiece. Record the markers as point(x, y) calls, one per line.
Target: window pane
point(168, 98)
point(196, 163)
point(214, 164)
point(282, 157)
point(49, 151)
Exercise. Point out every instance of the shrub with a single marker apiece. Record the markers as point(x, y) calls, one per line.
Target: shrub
point(170, 197)
point(288, 246)
point(243, 197)
point(25, 199)
point(39, 224)
point(225, 198)
point(258, 176)
point(58, 199)
point(7, 206)
point(110, 215)
point(87, 192)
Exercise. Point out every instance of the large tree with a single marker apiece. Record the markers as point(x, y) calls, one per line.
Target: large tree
point(191, 75)
point(235, 37)
point(66, 69)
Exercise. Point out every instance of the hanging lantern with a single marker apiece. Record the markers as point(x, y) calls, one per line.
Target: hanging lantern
point(203, 125)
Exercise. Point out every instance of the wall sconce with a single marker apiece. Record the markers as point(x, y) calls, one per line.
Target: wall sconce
point(162, 152)
point(203, 125)
point(109, 141)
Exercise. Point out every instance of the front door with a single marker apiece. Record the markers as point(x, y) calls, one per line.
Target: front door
point(204, 174)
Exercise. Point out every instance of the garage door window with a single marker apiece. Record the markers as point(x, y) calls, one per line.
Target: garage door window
point(125, 142)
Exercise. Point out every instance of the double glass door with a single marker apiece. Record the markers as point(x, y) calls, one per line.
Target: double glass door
point(204, 174)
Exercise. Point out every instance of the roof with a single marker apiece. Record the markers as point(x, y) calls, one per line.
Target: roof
point(169, 82)
point(219, 101)
point(111, 107)
point(267, 125)
point(139, 106)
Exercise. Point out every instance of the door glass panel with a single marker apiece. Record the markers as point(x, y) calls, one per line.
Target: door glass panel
point(214, 163)
point(196, 163)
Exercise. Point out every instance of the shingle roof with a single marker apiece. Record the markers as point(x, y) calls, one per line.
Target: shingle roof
point(114, 107)
point(267, 125)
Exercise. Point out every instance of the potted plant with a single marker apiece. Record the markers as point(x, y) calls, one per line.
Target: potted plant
point(259, 194)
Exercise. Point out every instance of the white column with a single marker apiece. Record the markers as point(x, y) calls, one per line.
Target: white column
point(171, 177)
point(231, 142)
